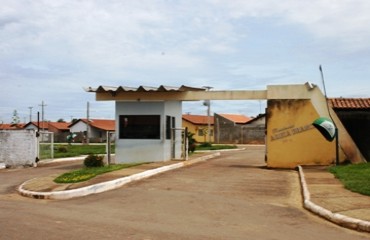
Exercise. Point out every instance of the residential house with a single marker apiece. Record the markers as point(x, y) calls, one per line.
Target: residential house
point(6, 126)
point(59, 129)
point(354, 113)
point(198, 125)
point(43, 126)
point(98, 129)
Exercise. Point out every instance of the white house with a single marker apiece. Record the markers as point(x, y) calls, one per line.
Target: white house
point(98, 128)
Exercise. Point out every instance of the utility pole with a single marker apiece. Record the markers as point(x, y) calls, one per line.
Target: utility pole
point(208, 104)
point(30, 113)
point(42, 115)
point(88, 123)
point(335, 125)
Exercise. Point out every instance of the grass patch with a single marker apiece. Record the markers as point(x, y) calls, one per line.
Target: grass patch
point(85, 174)
point(355, 177)
point(214, 147)
point(65, 150)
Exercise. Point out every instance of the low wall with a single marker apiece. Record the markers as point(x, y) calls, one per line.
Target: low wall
point(18, 148)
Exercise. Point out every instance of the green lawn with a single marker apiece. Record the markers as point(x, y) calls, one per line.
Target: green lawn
point(85, 174)
point(355, 177)
point(65, 150)
point(214, 147)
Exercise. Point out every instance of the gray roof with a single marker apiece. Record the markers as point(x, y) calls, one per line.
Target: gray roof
point(161, 88)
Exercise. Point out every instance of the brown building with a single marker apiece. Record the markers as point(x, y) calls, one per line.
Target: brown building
point(229, 128)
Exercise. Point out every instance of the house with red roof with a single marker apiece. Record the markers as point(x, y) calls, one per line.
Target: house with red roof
point(198, 125)
point(37, 125)
point(60, 129)
point(97, 128)
point(6, 126)
point(354, 113)
point(227, 128)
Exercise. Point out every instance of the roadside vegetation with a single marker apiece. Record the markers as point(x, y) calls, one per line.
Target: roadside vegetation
point(355, 177)
point(94, 166)
point(66, 150)
point(209, 146)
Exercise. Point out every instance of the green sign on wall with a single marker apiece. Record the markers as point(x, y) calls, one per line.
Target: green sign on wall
point(326, 127)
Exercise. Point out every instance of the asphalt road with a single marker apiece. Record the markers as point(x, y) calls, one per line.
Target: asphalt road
point(230, 197)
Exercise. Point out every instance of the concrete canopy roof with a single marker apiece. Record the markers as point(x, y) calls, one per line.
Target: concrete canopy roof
point(141, 88)
point(167, 93)
point(185, 93)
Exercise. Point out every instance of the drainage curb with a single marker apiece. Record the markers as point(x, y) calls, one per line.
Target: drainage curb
point(339, 219)
point(109, 185)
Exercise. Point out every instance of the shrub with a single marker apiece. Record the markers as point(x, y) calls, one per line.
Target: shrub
point(191, 142)
point(94, 161)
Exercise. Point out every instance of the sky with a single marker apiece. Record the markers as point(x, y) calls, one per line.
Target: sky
point(51, 50)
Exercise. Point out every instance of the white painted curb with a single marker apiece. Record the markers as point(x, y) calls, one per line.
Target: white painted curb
point(336, 218)
point(109, 185)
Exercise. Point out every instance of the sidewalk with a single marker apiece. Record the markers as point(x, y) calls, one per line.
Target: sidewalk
point(326, 196)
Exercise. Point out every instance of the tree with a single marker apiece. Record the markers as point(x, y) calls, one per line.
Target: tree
point(61, 120)
point(15, 118)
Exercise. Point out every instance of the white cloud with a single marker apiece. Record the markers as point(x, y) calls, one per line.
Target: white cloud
point(62, 46)
point(344, 22)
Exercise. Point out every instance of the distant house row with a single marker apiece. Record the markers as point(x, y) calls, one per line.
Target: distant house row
point(98, 129)
point(223, 128)
point(226, 128)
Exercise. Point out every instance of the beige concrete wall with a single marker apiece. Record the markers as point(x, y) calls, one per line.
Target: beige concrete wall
point(291, 138)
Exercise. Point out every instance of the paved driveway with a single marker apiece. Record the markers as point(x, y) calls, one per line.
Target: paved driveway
point(229, 197)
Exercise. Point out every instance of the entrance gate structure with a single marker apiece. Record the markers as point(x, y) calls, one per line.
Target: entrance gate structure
point(144, 114)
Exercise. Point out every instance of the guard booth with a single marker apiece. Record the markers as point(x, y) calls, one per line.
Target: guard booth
point(148, 121)
point(145, 131)
point(146, 116)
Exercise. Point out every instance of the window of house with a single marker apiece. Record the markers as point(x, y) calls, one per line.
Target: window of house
point(200, 132)
point(139, 126)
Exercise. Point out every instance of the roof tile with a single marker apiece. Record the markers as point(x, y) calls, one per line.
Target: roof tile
point(236, 118)
point(104, 124)
point(350, 103)
point(198, 119)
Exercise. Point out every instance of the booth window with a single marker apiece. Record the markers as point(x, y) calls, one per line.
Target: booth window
point(139, 126)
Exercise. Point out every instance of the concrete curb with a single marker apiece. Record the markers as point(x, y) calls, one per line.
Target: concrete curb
point(109, 185)
point(220, 150)
point(55, 160)
point(336, 218)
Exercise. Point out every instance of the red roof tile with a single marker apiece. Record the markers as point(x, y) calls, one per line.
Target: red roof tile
point(42, 124)
point(5, 126)
point(60, 125)
point(236, 118)
point(350, 103)
point(198, 119)
point(104, 124)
